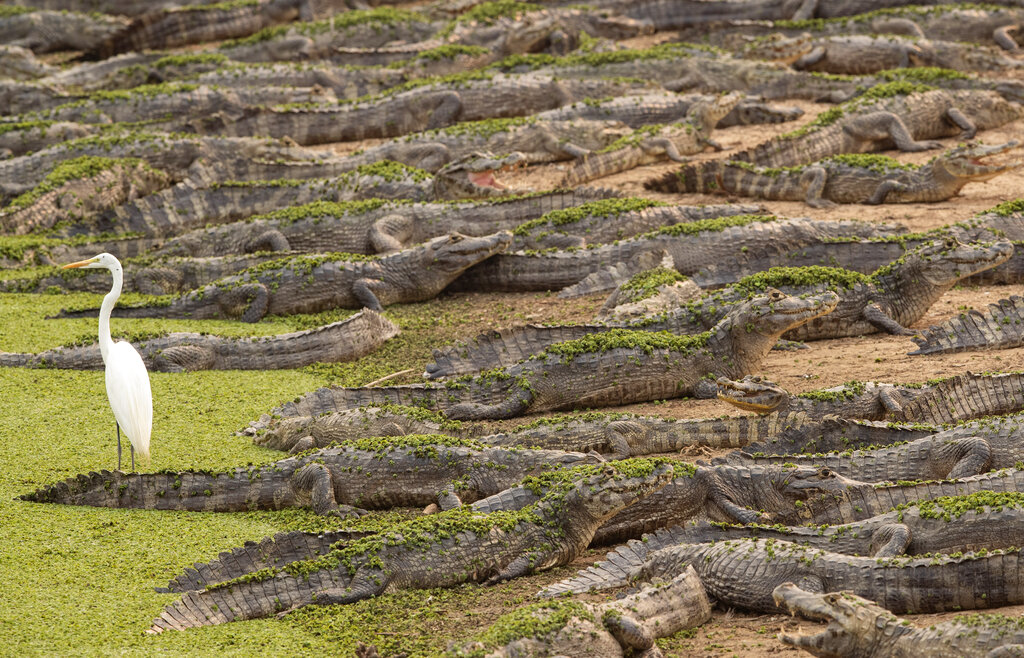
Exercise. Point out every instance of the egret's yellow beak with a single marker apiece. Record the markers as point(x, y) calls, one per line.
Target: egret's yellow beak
point(81, 263)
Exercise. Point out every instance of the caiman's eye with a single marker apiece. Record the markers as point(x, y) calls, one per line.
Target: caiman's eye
point(455, 238)
point(825, 473)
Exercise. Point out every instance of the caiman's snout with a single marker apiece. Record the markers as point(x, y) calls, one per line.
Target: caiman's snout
point(978, 161)
point(846, 627)
point(751, 394)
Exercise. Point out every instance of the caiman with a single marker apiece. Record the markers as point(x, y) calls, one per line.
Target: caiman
point(857, 178)
point(893, 297)
point(316, 282)
point(373, 225)
point(892, 116)
point(951, 524)
point(693, 246)
point(204, 198)
point(641, 110)
point(444, 550)
point(858, 628)
point(966, 449)
point(345, 340)
point(375, 473)
point(718, 493)
point(608, 629)
point(655, 143)
point(429, 105)
point(614, 368)
point(742, 573)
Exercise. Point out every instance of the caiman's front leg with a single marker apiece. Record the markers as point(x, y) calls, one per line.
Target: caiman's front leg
point(810, 59)
point(806, 10)
point(883, 190)
point(891, 540)
point(898, 26)
point(963, 122)
point(876, 126)
point(972, 455)
point(184, 358)
point(515, 405)
point(813, 180)
point(663, 146)
point(1004, 37)
point(882, 321)
point(892, 400)
point(389, 233)
point(446, 112)
point(268, 241)
point(365, 291)
point(629, 632)
point(315, 480)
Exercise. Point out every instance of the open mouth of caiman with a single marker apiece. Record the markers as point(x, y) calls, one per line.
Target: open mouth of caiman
point(484, 168)
point(982, 163)
point(751, 394)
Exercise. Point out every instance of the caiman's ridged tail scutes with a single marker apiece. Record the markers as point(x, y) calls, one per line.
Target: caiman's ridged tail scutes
point(277, 551)
point(187, 491)
point(619, 567)
point(261, 598)
point(689, 179)
point(1001, 327)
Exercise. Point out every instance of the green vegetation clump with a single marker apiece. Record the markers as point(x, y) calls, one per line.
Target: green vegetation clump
point(531, 621)
point(715, 224)
point(603, 208)
point(186, 59)
point(417, 413)
point(948, 508)
point(849, 391)
point(485, 128)
point(871, 161)
point(390, 171)
point(85, 166)
point(487, 13)
point(648, 341)
point(219, 6)
point(447, 51)
point(292, 214)
point(646, 284)
point(1006, 208)
point(422, 445)
point(801, 276)
point(921, 74)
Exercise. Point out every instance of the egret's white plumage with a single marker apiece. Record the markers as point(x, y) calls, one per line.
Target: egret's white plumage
point(128, 389)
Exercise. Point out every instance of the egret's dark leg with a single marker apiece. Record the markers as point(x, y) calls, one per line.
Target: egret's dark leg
point(118, 445)
point(132, 447)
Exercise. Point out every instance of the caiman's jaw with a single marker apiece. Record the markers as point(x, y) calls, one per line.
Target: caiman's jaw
point(978, 162)
point(779, 48)
point(852, 621)
point(752, 394)
point(803, 482)
point(475, 176)
point(456, 252)
point(947, 262)
point(776, 312)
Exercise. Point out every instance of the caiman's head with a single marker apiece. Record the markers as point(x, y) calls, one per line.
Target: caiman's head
point(614, 488)
point(856, 626)
point(944, 262)
point(777, 47)
point(455, 252)
point(752, 394)
point(789, 484)
point(474, 176)
point(756, 324)
point(706, 114)
point(975, 163)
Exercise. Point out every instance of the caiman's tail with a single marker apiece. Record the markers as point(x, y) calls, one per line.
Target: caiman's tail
point(621, 565)
point(436, 397)
point(503, 347)
point(232, 491)
point(246, 600)
point(999, 328)
point(277, 551)
point(699, 178)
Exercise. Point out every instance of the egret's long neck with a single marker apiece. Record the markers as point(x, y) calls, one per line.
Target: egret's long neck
point(108, 305)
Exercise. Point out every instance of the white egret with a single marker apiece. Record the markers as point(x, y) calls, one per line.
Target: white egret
point(128, 390)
